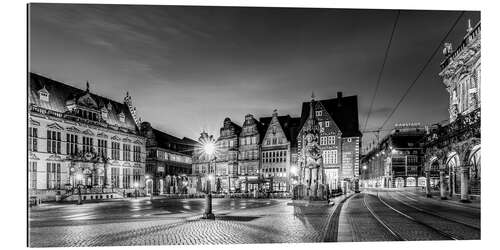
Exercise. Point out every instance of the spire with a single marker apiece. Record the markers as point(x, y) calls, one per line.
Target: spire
point(312, 96)
point(469, 28)
point(275, 112)
point(88, 88)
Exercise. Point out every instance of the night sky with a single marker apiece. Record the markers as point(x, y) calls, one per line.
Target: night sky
point(187, 68)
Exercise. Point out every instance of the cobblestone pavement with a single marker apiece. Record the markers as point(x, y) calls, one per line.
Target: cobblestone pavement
point(416, 218)
point(237, 221)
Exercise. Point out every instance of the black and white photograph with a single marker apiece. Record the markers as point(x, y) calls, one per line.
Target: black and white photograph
point(163, 124)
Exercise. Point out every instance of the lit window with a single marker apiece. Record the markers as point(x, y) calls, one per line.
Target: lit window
point(327, 124)
point(319, 113)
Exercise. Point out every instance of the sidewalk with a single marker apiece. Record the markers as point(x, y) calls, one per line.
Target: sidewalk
point(436, 195)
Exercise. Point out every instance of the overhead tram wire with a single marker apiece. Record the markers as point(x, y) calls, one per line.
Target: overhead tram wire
point(423, 69)
point(382, 68)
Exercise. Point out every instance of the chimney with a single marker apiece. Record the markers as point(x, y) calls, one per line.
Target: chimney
point(339, 98)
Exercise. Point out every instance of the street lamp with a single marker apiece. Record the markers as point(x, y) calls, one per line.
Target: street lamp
point(209, 149)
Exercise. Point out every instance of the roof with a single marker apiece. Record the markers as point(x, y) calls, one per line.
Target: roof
point(60, 92)
point(290, 126)
point(344, 115)
point(167, 141)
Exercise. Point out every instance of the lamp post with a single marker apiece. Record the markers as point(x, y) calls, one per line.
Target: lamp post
point(209, 149)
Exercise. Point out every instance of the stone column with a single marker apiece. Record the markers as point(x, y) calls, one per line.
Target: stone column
point(442, 187)
point(427, 182)
point(451, 183)
point(464, 185)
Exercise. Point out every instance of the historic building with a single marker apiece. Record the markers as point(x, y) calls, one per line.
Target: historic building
point(77, 139)
point(279, 151)
point(397, 161)
point(168, 161)
point(223, 165)
point(454, 149)
point(339, 138)
point(250, 139)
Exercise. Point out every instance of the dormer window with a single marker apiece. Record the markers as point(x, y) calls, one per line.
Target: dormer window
point(319, 113)
point(44, 94)
point(121, 116)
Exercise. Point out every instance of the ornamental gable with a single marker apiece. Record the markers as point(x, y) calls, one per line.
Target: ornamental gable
point(326, 123)
point(55, 126)
point(274, 134)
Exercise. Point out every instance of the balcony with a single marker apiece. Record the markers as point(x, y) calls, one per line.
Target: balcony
point(462, 128)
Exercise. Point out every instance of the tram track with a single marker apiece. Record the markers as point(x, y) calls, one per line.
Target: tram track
point(426, 225)
point(396, 236)
point(425, 211)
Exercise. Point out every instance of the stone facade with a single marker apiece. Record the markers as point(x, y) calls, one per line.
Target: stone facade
point(339, 138)
point(279, 150)
point(77, 138)
point(249, 156)
point(453, 150)
point(168, 161)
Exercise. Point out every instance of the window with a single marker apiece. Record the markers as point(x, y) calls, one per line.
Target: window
point(71, 144)
point(126, 152)
point(102, 147)
point(254, 140)
point(53, 175)
point(115, 150)
point(137, 153)
point(268, 142)
point(275, 141)
point(320, 124)
point(33, 139)
point(319, 113)
point(349, 139)
point(231, 143)
point(322, 140)
point(115, 177)
point(331, 140)
point(88, 144)
point(330, 157)
point(32, 174)
point(127, 177)
point(53, 142)
point(327, 124)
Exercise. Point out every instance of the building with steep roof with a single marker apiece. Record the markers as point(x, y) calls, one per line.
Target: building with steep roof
point(250, 137)
point(339, 138)
point(79, 139)
point(278, 151)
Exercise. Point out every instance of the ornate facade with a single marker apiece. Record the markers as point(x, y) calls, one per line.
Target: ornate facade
point(279, 151)
point(249, 156)
point(339, 138)
point(79, 139)
point(453, 150)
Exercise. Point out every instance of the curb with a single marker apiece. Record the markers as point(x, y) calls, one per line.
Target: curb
point(331, 229)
